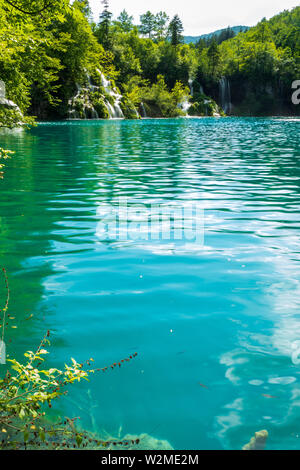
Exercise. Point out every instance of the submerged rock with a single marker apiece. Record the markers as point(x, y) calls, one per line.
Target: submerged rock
point(258, 442)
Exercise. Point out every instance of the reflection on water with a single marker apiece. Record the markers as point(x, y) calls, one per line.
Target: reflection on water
point(225, 316)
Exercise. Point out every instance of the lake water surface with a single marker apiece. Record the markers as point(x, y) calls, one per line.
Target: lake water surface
point(215, 326)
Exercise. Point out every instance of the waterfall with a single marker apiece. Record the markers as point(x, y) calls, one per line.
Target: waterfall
point(191, 86)
point(81, 105)
point(143, 110)
point(115, 111)
point(185, 105)
point(8, 104)
point(225, 95)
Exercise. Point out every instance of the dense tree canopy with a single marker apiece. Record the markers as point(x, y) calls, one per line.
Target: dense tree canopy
point(49, 48)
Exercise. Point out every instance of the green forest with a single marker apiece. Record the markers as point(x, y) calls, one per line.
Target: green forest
point(56, 63)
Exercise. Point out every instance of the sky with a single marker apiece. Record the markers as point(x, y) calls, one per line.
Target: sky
point(200, 17)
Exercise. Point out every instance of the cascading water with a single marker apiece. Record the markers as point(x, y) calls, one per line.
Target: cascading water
point(225, 95)
point(114, 110)
point(143, 110)
point(191, 86)
point(81, 106)
point(8, 104)
point(185, 105)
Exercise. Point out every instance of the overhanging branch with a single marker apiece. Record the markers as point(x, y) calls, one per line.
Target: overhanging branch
point(32, 12)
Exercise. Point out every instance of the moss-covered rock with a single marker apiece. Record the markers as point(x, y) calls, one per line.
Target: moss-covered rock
point(11, 116)
point(99, 105)
point(128, 109)
point(203, 105)
point(258, 442)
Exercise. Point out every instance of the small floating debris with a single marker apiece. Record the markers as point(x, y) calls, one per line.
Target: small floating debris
point(203, 385)
point(268, 396)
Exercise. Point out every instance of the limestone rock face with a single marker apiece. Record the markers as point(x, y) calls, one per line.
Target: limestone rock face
point(258, 442)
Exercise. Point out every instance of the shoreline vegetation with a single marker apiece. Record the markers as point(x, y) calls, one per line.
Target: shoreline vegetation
point(61, 64)
point(26, 389)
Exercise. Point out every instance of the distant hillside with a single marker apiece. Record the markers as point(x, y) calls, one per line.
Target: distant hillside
point(194, 39)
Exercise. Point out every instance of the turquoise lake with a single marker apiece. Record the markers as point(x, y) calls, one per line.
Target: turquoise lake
point(216, 325)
